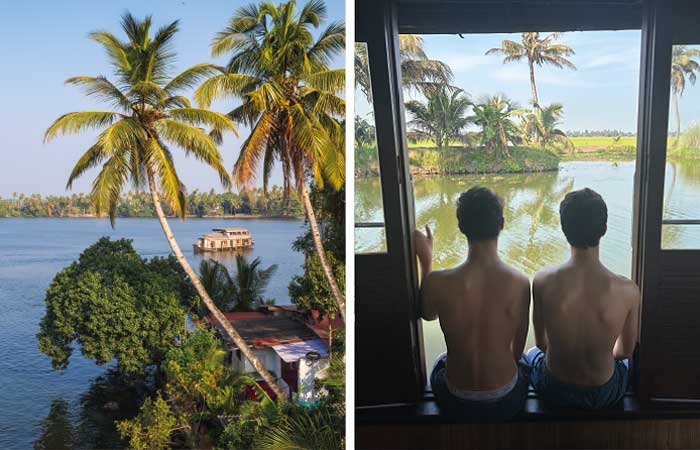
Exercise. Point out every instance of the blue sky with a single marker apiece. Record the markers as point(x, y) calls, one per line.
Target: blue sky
point(601, 94)
point(44, 42)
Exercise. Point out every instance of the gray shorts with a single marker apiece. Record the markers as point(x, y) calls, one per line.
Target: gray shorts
point(503, 406)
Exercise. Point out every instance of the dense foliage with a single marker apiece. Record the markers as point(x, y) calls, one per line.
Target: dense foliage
point(311, 289)
point(140, 204)
point(243, 291)
point(117, 306)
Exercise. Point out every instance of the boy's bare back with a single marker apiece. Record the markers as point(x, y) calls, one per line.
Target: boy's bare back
point(584, 316)
point(483, 309)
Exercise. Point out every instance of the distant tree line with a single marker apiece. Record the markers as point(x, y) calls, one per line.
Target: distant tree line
point(140, 204)
point(603, 133)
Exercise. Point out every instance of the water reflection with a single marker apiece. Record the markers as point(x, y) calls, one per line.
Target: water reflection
point(532, 238)
point(91, 424)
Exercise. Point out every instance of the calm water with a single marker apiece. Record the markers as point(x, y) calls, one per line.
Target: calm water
point(47, 409)
point(532, 238)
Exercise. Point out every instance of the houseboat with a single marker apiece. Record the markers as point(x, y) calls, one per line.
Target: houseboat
point(222, 239)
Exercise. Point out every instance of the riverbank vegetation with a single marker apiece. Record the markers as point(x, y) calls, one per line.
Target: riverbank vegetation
point(252, 202)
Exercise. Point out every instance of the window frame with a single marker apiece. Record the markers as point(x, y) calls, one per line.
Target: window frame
point(380, 22)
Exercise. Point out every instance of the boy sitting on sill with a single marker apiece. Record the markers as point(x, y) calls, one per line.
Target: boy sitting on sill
point(585, 316)
point(483, 306)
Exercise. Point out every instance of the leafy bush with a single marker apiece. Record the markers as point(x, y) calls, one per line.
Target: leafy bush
point(152, 428)
point(116, 305)
point(691, 136)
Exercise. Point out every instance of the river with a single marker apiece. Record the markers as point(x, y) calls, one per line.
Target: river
point(46, 409)
point(532, 238)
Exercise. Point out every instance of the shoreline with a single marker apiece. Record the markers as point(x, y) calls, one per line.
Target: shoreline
point(226, 217)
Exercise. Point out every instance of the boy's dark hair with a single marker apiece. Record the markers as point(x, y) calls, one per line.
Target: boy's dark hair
point(584, 218)
point(480, 214)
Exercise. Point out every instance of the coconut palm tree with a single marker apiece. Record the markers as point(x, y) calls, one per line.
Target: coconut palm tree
point(537, 51)
point(290, 100)
point(149, 115)
point(441, 118)
point(683, 64)
point(242, 292)
point(540, 125)
point(494, 116)
point(418, 72)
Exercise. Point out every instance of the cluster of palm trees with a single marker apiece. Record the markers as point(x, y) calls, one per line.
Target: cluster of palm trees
point(289, 97)
point(442, 117)
point(242, 291)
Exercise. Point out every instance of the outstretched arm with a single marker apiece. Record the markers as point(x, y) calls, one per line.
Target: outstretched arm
point(424, 252)
point(625, 343)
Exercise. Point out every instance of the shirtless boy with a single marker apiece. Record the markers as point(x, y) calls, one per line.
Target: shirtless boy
point(483, 306)
point(585, 316)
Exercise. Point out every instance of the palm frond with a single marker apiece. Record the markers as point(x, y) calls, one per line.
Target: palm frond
point(222, 86)
point(196, 142)
point(101, 88)
point(75, 122)
point(200, 117)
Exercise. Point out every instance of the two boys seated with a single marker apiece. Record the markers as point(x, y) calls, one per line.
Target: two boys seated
point(584, 317)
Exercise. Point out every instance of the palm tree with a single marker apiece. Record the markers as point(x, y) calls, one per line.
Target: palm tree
point(541, 123)
point(683, 64)
point(441, 118)
point(305, 429)
point(418, 72)
point(244, 292)
point(493, 115)
point(538, 51)
point(148, 113)
point(289, 99)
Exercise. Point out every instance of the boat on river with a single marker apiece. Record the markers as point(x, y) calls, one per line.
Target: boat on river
point(224, 239)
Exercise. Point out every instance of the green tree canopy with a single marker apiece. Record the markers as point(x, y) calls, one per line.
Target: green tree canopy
point(541, 126)
point(441, 118)
point(495, 117)
point(116, 306)
point(240, 292)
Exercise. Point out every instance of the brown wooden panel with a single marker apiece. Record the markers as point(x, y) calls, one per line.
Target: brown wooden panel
point(478, 16)
point(384, 358)
point(627, 434)
point(673, 355)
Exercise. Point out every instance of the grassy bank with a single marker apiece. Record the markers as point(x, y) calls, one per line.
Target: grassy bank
point(463, 160)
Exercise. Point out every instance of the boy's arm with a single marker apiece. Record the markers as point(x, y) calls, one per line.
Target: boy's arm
point(627, 341)
point(541, 340)
point(518, 344)
point(424, 252)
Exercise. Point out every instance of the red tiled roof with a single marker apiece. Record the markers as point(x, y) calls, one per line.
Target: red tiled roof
point(265, 331)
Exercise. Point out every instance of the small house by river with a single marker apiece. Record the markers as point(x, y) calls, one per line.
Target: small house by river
point(221, 239)
point(292, 345)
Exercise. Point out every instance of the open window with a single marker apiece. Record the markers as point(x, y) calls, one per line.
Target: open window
point(392, 356)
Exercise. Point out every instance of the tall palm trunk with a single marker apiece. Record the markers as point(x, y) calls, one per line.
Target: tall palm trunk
point(533, 86)
point(218, 316)
point(339, 296)
point(678, 119)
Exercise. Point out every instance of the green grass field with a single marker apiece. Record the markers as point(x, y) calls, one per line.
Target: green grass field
point(603, 141)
